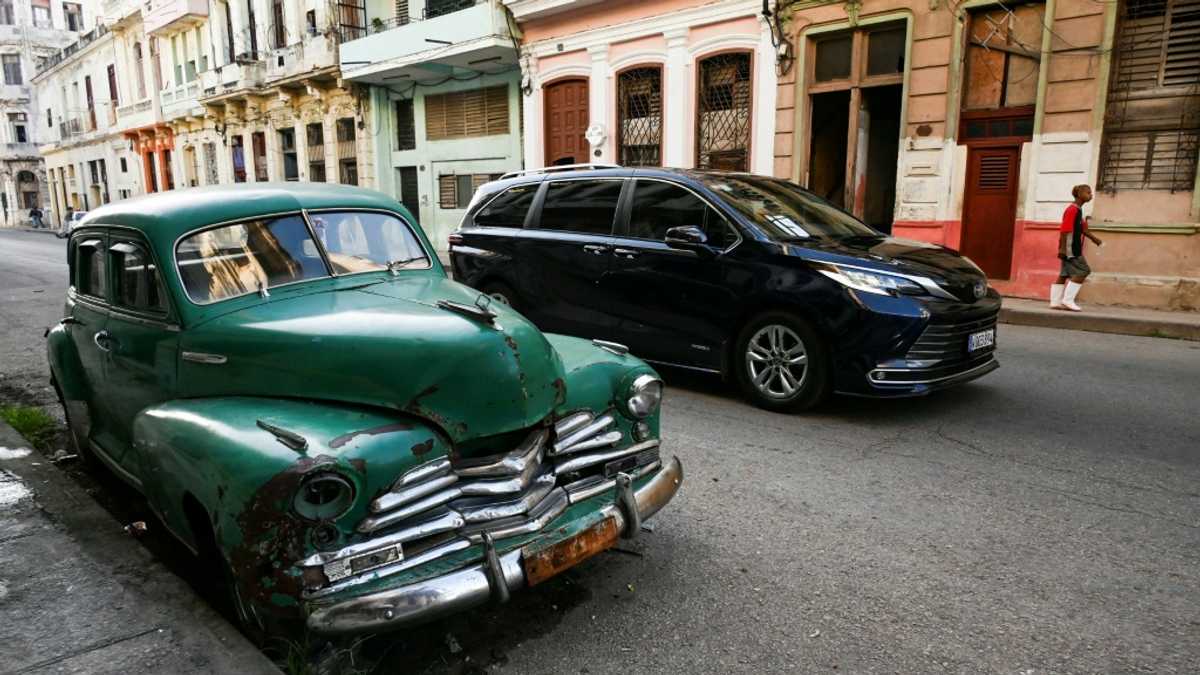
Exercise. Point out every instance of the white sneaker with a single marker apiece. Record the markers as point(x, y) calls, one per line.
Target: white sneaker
point(1070, 307)
point(1056, 295)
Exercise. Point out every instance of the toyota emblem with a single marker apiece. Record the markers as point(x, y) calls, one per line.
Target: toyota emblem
point(980, 289)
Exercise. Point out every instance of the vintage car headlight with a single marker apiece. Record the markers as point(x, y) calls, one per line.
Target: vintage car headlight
point(645, 395)
point(323, 496)
point(868, 281)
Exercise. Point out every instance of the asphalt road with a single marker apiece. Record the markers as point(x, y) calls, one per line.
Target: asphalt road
point(1045, 519)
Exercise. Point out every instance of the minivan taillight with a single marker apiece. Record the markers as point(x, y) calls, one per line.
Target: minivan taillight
point(455, 238)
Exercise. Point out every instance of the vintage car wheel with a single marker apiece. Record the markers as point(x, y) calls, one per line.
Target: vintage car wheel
point(223, 583)
point(781, 363)
point(78, 446)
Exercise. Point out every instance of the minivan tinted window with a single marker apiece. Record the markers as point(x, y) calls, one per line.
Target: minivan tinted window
point(509, 209)
point(785, 211)
point(658, 206)
point(585, 206)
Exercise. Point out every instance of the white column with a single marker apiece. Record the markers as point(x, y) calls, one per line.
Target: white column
point(534, 145)
point(762, 150)
point(678, 108)
point(598, 98)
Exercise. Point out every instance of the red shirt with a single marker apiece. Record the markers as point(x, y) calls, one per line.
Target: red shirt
point(1068, 221)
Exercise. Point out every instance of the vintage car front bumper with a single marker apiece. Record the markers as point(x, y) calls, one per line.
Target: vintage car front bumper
point(495, 578)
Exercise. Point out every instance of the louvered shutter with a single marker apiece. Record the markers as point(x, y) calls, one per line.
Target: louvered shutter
point(465, 114)
point(1152, 119)
point(446, 192)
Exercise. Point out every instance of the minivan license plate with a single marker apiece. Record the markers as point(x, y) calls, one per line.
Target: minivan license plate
point(981, 340)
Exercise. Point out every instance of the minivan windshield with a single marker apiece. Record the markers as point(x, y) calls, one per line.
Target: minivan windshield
point(785, 211)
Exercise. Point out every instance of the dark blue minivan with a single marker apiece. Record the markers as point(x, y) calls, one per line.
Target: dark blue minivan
point(748, 276)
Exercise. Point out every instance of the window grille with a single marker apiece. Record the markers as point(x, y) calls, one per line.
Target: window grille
point(723, 112)
point(639, 110)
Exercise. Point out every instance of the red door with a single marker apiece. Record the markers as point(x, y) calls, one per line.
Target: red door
point(566, 122)
point(990, 208)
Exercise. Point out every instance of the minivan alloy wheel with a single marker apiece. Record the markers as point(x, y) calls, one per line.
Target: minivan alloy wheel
point(777, 361)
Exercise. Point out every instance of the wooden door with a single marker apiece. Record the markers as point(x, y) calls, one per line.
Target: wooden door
point(990, 208)
point(566, 113)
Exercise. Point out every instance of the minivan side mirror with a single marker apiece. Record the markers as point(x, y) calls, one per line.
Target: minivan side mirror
point(687, 237)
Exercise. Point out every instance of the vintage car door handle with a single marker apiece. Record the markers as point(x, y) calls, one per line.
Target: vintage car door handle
point(595, 249)
point(625, 253)
point(101, 338)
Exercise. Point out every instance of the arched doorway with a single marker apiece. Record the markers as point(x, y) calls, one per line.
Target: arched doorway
point(566, 115)
point(27, 189)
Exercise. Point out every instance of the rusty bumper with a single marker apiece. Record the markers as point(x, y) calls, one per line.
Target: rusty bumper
point(472, 586)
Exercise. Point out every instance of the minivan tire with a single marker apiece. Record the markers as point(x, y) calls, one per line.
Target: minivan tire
point(781, 363)
point(502, 293)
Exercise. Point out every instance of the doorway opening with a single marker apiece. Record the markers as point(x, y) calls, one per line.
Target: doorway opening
point(827, 161)
point(879, 128)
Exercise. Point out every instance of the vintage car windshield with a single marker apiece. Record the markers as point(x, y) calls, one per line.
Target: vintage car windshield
point(785, 211)
point(367, 241)
point(233, 260)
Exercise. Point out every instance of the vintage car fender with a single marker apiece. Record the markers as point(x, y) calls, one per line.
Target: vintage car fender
point(239, 463)
point(65, 368)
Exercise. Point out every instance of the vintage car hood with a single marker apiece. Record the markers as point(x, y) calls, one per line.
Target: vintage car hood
point(383, 344)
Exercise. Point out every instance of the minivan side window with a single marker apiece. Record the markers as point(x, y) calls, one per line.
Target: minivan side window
point(658, 206)
point(90, 276)
point(584, 206)
point(139, 286)
point(509, 209)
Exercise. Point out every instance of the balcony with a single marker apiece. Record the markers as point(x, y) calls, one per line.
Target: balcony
point(181, 101)
point(144, 113)
point(313, 52)
point(120, 12)
point(169, 16)
point(523, 10)
point(18, 151)
point(449, 35)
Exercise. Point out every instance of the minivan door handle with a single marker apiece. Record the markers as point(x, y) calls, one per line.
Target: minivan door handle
point(595, 249)
point(626, 253)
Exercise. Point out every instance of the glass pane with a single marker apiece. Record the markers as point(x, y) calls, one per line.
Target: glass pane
point(999, 128)
point(131, 286)
point(885, 51)
point(659, 206)
point(833, 58)
point(357, 241)
point(585, 206)
point(976, 129)
point(237, 259)
point(1023, 126)
point(509, 209)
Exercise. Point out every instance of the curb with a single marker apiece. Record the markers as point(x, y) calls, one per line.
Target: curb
point(80, 596)
point(37, 230)
point(1169, 325)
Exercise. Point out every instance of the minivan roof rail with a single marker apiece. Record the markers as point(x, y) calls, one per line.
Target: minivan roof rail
point(554, 169)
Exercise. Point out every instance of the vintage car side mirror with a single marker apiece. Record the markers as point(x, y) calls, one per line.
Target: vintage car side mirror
point(687, 237)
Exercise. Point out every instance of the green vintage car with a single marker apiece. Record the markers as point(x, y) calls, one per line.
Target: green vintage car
point(355, 441)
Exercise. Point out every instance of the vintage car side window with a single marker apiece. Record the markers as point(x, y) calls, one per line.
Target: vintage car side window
point(584, 206)
point(138, 284)
point(90, 274)
point(509, 209)
point(223, 262)
point(367, 241)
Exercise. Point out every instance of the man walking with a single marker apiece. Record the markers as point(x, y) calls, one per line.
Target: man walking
point(1074, 269)
point(35, 214)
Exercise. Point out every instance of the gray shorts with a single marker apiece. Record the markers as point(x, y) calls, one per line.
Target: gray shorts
point(1075, 267)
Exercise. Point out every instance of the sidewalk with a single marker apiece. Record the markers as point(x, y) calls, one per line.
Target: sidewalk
point(1099, 319)
point(78, 595)
point(25, 228)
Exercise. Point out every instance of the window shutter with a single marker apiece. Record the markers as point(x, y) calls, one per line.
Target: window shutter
point(1152, 120)
point(402, 12)
point(446, 192)
point(465, 114)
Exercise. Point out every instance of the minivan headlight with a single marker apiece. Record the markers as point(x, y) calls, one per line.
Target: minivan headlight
point(878, 283)
point(645, 395)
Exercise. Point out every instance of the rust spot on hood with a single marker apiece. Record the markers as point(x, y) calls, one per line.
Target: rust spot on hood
point(373, 431)
point(421, 448)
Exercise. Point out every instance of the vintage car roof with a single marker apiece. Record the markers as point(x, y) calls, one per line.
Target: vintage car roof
point(166, 215)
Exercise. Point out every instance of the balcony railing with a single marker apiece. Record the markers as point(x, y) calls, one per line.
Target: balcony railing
point(134, 108)
point(66, 52)
point(71, 128)
point(432, 9)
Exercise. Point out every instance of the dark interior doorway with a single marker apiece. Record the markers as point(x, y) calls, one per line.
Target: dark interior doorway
point(827, 156)
point(880, 120)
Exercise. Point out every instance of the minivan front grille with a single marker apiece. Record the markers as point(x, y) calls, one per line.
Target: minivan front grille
point(948, 341)
point(441, 507)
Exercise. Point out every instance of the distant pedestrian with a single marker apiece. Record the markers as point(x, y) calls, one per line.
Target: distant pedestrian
point(1074, 268)
point(35, 214)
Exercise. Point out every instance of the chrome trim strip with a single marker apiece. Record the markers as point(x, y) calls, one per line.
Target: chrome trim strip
point(112, 464)
point(372, 523)
point(205, 358)
point(496, 510)
point(601, 441)
point(512, 464)
point(452, 546)
point(423, 472)
point(613, 347)
point(542, 515)
point(714, 371)
point(587, 488)
point(443, 523)
point(935, 380)
point(397, 498)
point(572, 422)
point(582, 462)
point(564, 445)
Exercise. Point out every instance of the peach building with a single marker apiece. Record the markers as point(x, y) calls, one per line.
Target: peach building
point(967, 125)
point(648, 82)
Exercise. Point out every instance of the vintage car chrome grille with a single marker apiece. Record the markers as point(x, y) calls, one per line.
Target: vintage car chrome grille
point(440, 507)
